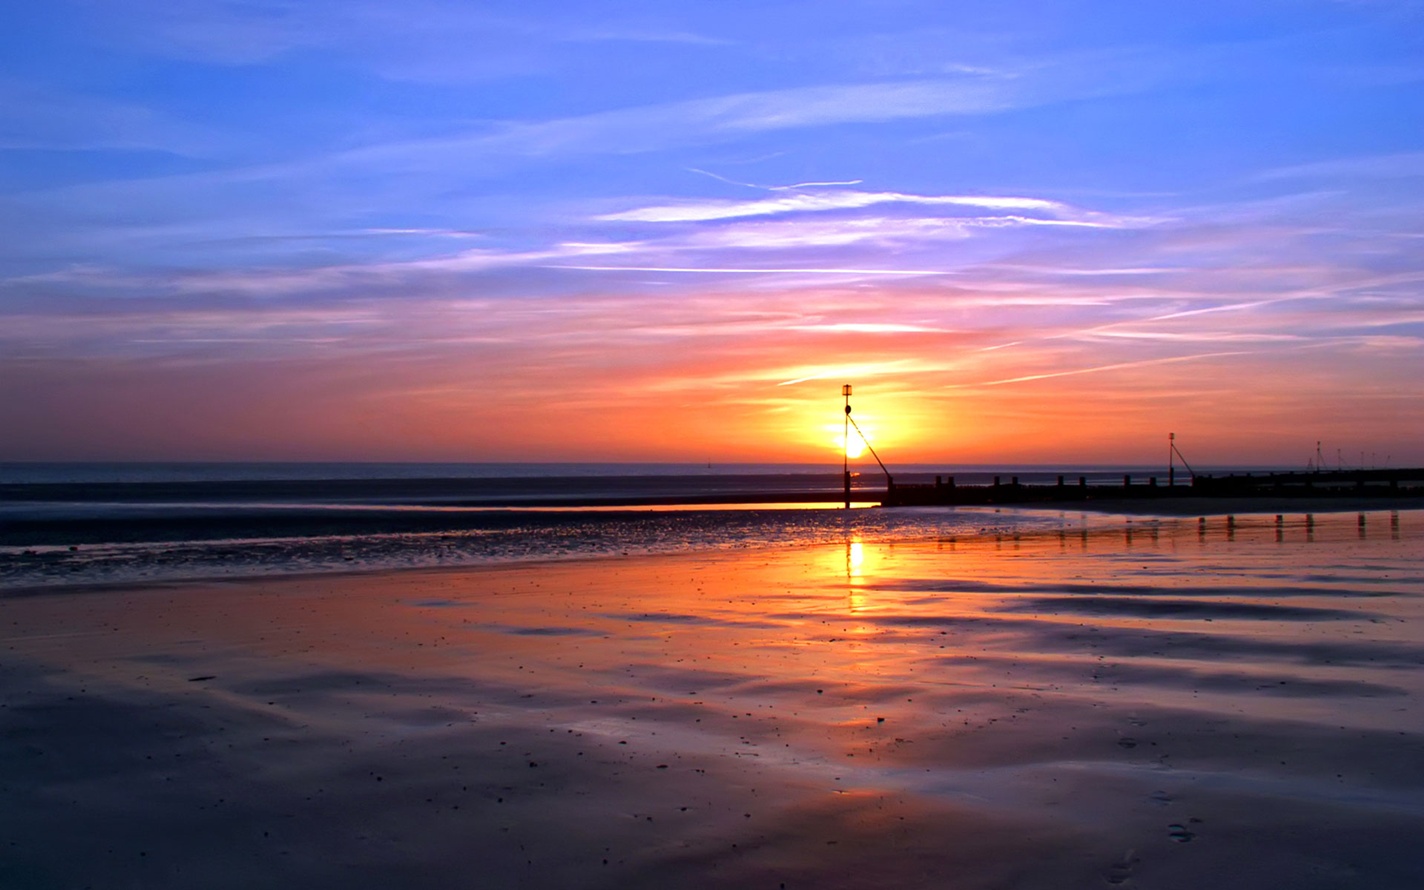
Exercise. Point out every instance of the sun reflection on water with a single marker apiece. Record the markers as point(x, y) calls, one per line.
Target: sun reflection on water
point(855, 557)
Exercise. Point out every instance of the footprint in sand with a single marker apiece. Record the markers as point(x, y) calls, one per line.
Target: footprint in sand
point(1180, 833)
point(1121, 871)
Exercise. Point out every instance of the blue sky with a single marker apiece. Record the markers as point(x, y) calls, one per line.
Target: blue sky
point(638, 231)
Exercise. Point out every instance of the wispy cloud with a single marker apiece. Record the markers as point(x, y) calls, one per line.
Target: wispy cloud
point(1095, 369)
point(1399, 165)
point(647, 128)
point(635, 35)
point(1204, 336)
point(46, 118)
point(774, 188)
point(770, 270)
point(702, 211)
point(851, 371)
point(869, 328)
point(1106, 271)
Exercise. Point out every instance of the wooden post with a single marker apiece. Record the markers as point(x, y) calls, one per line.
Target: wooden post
point(845, 445)
point(1171, 459)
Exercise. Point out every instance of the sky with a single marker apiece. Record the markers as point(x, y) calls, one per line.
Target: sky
point(1026, 232)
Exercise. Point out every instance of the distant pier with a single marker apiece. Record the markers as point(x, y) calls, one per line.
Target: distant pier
point(943, 491)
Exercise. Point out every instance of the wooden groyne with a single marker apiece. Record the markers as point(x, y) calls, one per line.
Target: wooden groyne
point(1008, 490)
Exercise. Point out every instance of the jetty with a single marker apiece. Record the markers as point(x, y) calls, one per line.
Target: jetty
point(1376, 483)
point(1315, 482)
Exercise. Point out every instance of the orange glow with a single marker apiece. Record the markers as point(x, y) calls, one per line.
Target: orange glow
point(659, 390)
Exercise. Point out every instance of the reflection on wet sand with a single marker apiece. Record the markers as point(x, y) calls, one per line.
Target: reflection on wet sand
point(1164, 703)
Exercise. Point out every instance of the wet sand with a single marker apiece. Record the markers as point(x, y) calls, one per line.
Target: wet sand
point(1150, 703)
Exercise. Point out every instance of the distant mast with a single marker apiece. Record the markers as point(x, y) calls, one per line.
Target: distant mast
point(1174, 454)
point(1171, 459)
point(845, 449)
point(845, 445)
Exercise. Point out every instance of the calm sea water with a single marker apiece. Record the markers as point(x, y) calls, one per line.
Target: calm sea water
point(64, 524)
point(610, 477)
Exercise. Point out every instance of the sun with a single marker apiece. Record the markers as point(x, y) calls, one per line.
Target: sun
point(853, 449)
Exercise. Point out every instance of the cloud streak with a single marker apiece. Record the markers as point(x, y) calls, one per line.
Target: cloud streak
point(821, 201)
point(1095, 369)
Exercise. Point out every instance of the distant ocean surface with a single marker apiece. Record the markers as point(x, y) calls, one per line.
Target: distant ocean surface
point(87, 523)
point(608, 477)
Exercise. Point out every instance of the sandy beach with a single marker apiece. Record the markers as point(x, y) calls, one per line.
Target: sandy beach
point(1151, 703)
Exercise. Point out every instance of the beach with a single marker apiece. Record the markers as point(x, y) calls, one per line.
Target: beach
point(1137, 702)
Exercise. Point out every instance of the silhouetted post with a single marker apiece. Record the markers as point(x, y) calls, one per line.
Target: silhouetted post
point(1171, 459)
point(845, 445)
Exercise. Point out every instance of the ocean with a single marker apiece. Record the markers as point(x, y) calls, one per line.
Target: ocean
point(103, 523)
point(100, 523)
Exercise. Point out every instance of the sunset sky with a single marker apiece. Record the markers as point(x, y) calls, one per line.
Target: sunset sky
point(429, 230)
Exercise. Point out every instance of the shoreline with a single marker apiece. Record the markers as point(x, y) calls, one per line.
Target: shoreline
point(1096, 516)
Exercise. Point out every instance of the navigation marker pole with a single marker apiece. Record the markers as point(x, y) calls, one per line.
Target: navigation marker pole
point(1175, 454)
point(845, 445)
point(1171, 459)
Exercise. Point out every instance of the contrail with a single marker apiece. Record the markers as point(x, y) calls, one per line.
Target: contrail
point(1119, 366)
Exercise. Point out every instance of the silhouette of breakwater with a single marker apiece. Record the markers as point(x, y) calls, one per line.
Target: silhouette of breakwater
point(1401, 483)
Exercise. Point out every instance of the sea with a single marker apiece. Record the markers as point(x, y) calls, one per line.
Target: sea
point(112, 523)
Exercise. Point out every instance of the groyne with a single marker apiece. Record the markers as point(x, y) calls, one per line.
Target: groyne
point(1382, 484)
